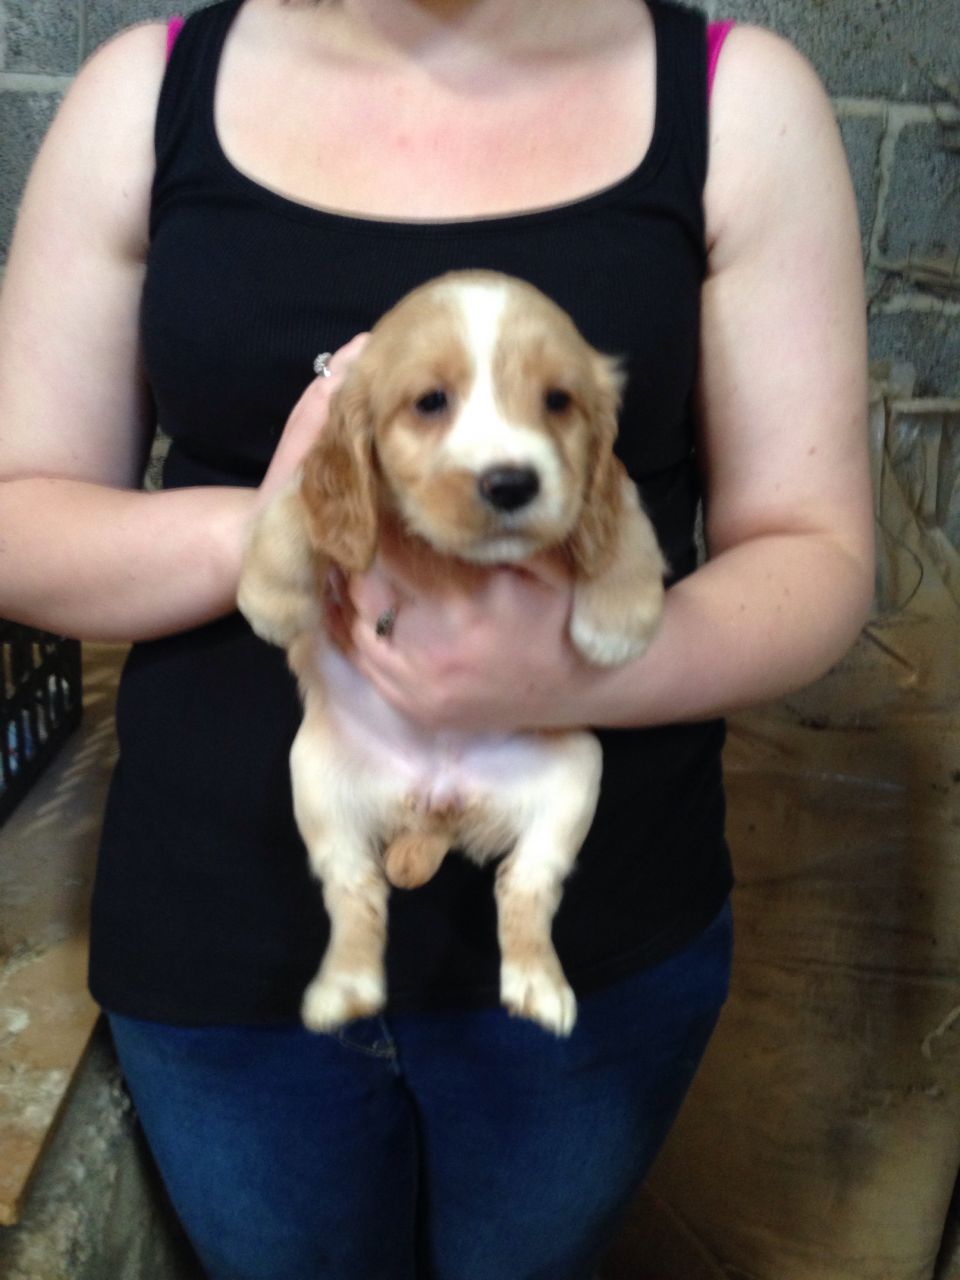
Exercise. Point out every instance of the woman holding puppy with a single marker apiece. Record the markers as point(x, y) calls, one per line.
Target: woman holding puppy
point(206, 214)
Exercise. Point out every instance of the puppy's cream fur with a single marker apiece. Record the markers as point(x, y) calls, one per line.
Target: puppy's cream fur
point(472, 375)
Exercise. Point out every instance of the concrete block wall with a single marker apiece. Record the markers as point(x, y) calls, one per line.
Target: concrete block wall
point(892, 68)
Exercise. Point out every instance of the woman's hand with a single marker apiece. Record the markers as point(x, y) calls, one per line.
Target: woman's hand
point(307, 419)
point(494, 657)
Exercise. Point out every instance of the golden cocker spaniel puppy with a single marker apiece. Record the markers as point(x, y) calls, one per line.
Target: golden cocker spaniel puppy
point(476, 428)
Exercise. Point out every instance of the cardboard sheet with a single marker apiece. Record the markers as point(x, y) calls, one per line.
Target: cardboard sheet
point(822, 1138)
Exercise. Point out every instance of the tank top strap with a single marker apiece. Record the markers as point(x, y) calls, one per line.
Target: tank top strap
point(682, 105)
point(185, 106)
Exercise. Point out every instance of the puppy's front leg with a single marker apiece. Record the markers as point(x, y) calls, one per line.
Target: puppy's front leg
point(350, 982)
point(529, 885)
point(532, 982)
point(616, 612)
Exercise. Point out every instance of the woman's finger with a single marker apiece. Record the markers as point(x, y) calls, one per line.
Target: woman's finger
point(309, 415)
point(373, 594)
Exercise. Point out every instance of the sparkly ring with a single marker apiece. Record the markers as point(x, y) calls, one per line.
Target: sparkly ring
point(386, 622)
point(320, 366)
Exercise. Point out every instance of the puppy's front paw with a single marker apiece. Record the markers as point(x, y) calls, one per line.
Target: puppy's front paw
point(340, 996)
point(616, 611)
point(539, 993)
point(608, 631)
point(281, 618)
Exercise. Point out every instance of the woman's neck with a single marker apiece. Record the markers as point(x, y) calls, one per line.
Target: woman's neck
point(468, 33)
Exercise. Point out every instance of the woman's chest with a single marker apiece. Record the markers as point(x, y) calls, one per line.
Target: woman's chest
point(391, 145)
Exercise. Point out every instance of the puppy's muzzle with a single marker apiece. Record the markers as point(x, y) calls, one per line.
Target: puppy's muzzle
point(508, 488)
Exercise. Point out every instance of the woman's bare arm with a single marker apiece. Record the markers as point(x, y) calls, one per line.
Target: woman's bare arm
point(82, 549)
point(788, 519)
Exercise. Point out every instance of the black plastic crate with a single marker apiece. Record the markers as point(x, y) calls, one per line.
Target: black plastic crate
point(41, 702)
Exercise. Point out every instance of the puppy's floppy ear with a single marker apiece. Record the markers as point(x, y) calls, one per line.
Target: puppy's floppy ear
point(618, 587)
point(339, 486)
point(594, 541)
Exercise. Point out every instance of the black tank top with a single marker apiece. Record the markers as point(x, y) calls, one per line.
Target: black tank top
point(204, 907)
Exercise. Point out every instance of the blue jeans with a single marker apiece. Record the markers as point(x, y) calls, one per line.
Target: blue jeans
point(464, 1145)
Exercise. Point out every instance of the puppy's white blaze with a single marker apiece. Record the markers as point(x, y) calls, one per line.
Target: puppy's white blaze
point(481, 437)
point(481, 306)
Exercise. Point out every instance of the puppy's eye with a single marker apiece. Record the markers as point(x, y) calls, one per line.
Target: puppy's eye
point(555, 400)
point(432, 403)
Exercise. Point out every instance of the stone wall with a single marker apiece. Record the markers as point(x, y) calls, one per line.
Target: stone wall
point(892, 68)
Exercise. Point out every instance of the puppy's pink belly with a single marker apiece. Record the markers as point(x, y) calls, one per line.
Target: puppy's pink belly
point(442, 775)
point(431, 771)
point(442, 792)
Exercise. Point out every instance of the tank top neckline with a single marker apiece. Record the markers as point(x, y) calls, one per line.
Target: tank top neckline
point(641, 174)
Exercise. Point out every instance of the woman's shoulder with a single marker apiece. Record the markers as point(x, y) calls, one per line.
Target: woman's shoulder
point(755, 58)
point(96, 162)
point(759, 156)
point(114, 94)
point(139, 50)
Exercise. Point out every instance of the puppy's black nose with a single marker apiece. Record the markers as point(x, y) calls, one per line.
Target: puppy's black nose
point(508, 488)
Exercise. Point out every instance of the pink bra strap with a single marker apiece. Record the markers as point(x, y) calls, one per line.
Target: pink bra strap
point(173, 30)
point(717, 32)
